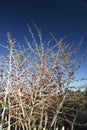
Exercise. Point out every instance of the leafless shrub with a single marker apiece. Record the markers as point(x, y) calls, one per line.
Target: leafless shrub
point(35, 84)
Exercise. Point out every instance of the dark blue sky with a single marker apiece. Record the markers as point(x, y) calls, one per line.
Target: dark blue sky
point(61, 17)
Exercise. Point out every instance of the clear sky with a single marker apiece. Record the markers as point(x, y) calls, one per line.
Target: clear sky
point(61, 17)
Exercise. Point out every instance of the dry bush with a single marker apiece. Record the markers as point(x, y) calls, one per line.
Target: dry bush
point(35, 84)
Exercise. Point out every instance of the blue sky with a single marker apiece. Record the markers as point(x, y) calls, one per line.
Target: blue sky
point(61, 17)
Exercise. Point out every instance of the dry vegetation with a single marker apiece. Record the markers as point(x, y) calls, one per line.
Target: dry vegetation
point(35, 91)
